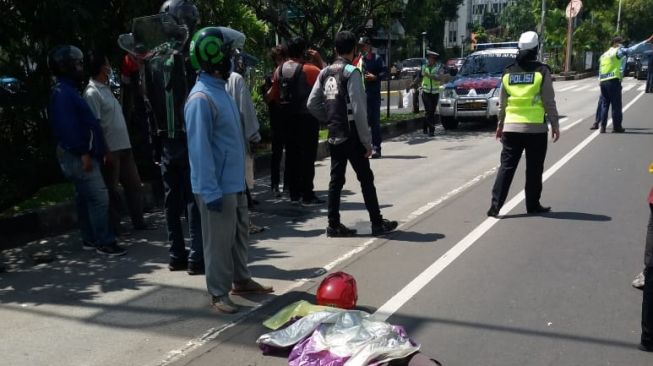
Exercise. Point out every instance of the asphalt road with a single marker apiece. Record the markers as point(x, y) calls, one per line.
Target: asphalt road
point(521, 290)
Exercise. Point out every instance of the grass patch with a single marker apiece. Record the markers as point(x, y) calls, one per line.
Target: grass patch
point(384, 120)
point(46, 196)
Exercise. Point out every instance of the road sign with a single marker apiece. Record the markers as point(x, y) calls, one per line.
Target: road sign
point(573, 8)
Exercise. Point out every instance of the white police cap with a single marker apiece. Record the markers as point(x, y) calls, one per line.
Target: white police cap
point(528, 40)
point(432, 53)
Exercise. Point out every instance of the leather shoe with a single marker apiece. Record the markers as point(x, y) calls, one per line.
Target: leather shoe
point(595, 126)
point(493, 212)
point(618, 130)
point(195, 268)
point(645, 348)
point(539, 209)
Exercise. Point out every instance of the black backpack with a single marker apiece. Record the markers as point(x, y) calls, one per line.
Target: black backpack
point(291, 93)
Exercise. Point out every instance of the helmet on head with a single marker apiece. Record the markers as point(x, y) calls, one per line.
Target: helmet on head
point(211, 48)
point(66, 61)
point(184, 12)
point(208, 49)
point(528, 41)
point(338, 290)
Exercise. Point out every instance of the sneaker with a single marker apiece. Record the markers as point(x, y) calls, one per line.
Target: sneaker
point(254, 229)
point(493, 212)
point(384, 227)
point(638, 282)
point(112, 250)
point(250, 287)
point(376, 154)
point(224, 304)
point(339, 231)
point(195, 268)
point(312, 202)
point(178, 264)
point(88, 245)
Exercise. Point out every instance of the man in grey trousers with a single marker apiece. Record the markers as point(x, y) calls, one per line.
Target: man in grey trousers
point(217, 161)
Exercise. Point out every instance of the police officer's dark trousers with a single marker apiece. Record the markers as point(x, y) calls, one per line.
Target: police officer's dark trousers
point(611, 94)
point(647, 301)
point(179, 199)
point(353, 151)
point(278, 127)
point(430, 104)
point(649, 79)
point(514, 144)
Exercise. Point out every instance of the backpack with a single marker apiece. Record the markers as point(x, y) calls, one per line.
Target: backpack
point(291, 92)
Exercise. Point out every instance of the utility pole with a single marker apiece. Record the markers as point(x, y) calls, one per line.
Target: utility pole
point(619, 17)
point(542, 31)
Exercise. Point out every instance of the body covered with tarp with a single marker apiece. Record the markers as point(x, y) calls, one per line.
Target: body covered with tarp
point(339, 338)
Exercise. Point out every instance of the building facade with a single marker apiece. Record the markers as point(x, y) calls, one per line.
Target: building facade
point(470, 12)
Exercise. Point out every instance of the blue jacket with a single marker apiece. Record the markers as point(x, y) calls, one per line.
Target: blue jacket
point(215, 140)
point(74, 125)
point(374, 64)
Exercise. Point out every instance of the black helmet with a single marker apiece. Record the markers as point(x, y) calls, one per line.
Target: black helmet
point(184, 12)
point(63, 61)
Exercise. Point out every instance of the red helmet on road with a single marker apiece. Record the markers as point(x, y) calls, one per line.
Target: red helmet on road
point(338, 290)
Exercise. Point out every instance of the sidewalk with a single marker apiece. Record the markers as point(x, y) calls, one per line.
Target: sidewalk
point(77, 308)
point(53, 220)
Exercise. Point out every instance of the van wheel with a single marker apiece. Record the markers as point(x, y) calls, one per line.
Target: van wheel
point(449, 123)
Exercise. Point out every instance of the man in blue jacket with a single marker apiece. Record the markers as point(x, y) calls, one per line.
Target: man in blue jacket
point(81, 150)
point(217, 161)
point(373, 69)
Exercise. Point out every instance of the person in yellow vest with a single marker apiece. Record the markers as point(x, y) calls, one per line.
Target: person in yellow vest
point(527, 103)
point(431, 76)
point(610, 76)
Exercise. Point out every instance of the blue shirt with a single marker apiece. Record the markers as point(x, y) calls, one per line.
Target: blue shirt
point(623, 51)
point(215, 140)
point(74, 125)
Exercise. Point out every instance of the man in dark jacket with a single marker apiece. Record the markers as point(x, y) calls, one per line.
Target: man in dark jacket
point(373, 69)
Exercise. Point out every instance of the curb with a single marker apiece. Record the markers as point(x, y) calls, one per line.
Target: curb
point(579, 76)
point(56, 219)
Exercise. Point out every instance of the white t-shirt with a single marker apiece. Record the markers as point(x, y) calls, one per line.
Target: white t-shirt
point(108, 110)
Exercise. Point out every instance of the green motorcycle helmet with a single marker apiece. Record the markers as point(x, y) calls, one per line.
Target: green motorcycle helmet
point(212, 47)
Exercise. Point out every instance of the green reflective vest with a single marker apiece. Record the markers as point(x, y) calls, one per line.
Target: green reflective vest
point(610, 65)
point(524, 103)
point(429, 85)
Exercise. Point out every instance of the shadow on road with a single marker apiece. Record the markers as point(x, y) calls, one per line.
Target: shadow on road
point(579, 216)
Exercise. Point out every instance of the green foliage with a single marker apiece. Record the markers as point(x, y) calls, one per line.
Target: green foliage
point(637, 19)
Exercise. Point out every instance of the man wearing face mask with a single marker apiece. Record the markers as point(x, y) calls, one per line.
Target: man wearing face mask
point(121, 167)
point(217, 159)
point(80, 150)
point(610, 76)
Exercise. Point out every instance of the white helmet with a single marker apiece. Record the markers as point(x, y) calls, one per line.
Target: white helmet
point(528, 40)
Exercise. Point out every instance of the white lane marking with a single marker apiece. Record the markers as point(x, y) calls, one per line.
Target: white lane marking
point(572, 124)
point(567, 88)
point(582, 88)
point(641, 88)
point(627, 87)
point(411, 289)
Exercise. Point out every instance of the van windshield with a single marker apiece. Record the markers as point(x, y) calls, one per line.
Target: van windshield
point(487, 64)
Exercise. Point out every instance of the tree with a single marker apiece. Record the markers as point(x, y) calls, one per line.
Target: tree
point(637, 18)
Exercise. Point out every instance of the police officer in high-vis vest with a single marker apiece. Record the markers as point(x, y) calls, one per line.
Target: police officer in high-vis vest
point(527, 103)
point(610, 76)
point(431, 75)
